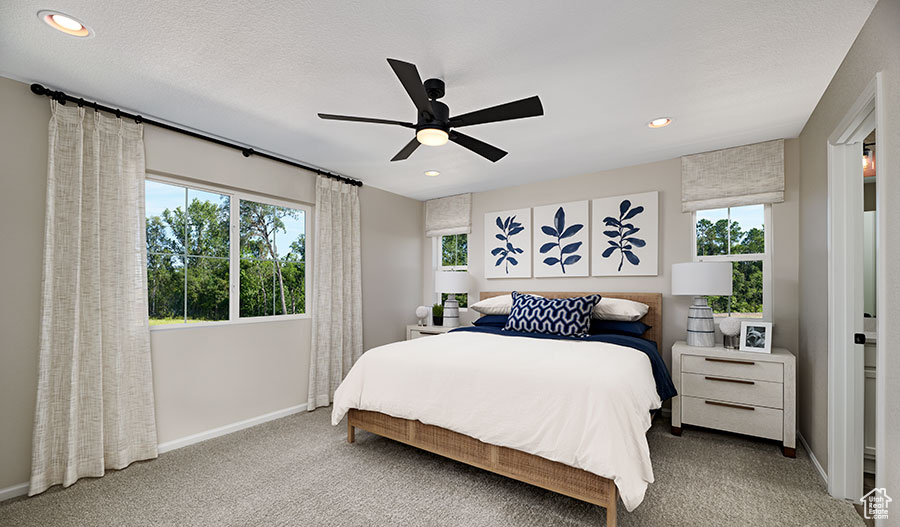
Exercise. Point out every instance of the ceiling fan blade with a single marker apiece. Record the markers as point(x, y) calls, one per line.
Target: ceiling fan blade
point(333, 117)
point(479, 147)
point(410, 79)
point(407, 150)
point(530, 107)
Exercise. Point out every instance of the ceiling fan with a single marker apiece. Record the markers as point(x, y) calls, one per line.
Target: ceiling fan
point(434, 126)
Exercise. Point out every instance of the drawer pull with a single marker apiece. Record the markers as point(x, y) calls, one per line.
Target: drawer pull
point(732, 361)
point(729, 405)
point(737, 381)
point(427, 333)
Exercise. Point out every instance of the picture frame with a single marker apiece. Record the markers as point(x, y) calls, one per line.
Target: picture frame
point(561, 240)
point(507, 244)
point(756, 336)
point(625, 235)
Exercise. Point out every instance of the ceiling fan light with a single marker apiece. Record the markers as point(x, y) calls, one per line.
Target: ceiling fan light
point(432, 136)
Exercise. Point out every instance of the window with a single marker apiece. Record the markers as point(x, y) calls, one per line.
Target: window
point(738, 235)
point(454, 254)
point(216, 256)
point(273, 252)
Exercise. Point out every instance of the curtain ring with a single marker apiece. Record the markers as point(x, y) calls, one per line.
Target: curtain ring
point(81, 102)
point(118, 113)
point(138, 119)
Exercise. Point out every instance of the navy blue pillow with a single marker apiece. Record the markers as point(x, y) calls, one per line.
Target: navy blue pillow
point(497, 321)
point(618, 327)
point(556, 316)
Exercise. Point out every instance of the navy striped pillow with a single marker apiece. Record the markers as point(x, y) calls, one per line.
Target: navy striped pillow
point(557, 316)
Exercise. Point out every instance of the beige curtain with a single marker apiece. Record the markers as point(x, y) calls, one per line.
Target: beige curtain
point(743, 175)
point(95, 394)
point(450, 215)
point(337, 290)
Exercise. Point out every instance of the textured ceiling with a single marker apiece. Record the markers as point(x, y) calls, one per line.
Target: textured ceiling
point(729, 73)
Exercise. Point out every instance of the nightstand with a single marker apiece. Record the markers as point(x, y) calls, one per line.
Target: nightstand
point(736, 391)
point(414, 331)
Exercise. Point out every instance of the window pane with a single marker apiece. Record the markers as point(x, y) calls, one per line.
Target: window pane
point(293, 278)
point(207, 289)
point(712, 232)
point(208, 221)
point(270, 232)
point(257, 288)
point(165, 217)
point(165, 289)
point(747, 230)
point(462, 298)
point(747, 292)
point(454, 250)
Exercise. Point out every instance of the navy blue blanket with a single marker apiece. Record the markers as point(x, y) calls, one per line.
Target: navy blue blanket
point(664, 386)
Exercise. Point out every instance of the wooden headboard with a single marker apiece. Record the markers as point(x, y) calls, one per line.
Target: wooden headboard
point(653, 318)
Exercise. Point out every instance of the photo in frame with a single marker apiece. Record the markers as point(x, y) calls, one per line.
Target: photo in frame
point(756, 336)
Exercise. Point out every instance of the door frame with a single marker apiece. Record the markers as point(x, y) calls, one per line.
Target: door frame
point(845, 359)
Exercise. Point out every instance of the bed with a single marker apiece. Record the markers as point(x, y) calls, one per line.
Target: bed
point(560, 415)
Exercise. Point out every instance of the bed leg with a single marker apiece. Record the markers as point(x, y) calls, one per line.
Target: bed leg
point(351, 432)
point(611, 508)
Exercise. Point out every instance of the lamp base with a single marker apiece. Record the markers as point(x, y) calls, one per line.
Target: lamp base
point(701, 328)
point(451, 312)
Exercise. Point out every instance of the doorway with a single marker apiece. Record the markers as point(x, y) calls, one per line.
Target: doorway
point(849, 355)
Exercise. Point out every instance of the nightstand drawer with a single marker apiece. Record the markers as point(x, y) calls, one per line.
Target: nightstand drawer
point(419, 333)
point(739, 368)
point(742, 391)
point(739, 418)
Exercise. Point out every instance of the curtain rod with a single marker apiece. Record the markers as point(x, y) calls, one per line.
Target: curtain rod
point(62, 97)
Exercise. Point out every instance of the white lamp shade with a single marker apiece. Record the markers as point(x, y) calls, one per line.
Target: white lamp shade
point(701, 278)
point(451, 282)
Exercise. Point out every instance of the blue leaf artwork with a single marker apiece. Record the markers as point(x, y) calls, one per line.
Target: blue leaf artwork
point(625, 235)
point(561, 239)
point(507, 252)
point(507, 244)
point(559, 231)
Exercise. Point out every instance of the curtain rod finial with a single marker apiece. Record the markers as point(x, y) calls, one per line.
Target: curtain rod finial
point(37, 89)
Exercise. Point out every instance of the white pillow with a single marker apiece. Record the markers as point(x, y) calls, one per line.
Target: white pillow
point(496, 305)
point(620, 309)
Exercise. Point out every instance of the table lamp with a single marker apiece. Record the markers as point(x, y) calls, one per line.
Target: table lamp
point(452, 283)
point(701, 279)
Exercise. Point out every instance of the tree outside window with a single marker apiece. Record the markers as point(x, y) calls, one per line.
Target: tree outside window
point(454, 257)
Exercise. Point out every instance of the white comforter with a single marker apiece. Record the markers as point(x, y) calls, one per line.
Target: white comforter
point(585, 404)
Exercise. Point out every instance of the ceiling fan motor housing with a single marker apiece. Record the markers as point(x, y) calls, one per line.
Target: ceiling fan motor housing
point(434, 88)
point(441, 119)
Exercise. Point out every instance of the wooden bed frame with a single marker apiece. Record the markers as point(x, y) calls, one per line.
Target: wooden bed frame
point(535, 470)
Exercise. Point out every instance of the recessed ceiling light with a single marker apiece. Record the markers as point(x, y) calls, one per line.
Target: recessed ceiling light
point(432, 173)
point(64, 23)
point(659, 122)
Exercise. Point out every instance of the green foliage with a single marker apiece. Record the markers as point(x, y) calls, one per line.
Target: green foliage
point(461, 298)
point(199, 238)
point(712, 239)
point(454, 250)
point(437, 310)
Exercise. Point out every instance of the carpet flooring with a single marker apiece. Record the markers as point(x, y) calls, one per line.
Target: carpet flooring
point(300, 471)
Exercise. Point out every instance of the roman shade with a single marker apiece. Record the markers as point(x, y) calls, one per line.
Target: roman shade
point(450, 215)
point(744, 175)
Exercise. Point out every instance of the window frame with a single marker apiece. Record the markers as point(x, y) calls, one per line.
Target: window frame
point(438, 259)
point(768, 314)
point(234, 251)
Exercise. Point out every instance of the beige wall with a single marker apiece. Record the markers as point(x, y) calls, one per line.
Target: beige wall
point(674, 235)
point(876, 49)
point(205, 377)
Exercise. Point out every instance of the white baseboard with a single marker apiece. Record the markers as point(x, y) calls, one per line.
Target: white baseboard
point(813, 458)
point(175, 444)
point(14, 492)
point(22, 488)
